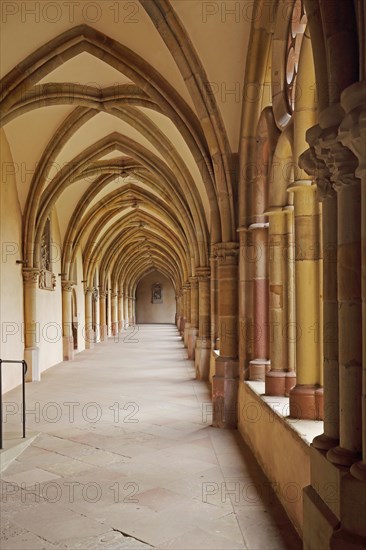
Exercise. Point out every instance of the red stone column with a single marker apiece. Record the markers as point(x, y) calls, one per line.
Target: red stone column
point(226, 378)
point(260, 365)
point(193, 329)
point(203, 344)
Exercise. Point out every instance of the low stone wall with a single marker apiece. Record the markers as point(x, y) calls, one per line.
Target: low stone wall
point(282, 453)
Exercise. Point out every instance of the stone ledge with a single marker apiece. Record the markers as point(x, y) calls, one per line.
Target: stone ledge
point(305, 429)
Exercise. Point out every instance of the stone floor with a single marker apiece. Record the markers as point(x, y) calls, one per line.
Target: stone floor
point(126, 458)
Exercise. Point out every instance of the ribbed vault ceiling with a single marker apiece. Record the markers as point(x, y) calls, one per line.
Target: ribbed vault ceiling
point(125, 129)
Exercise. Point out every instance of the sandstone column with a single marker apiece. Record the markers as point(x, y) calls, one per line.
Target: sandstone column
point(187, 323)
point(193, 329)
point(226, 378)
point(349, 299)
point(120, 310)
point(281, 378)
point(67, 337)
point(130, 310)
point(203, 344)
point(31, 326)
point(88, 330)
point(313, 161)
point(103, 315)
point(114, 306)
point(306, 397)
point(260, 365)
point(125, 309)
point(353, 134)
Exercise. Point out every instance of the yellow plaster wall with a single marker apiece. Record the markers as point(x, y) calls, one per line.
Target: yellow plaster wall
point(282, 454)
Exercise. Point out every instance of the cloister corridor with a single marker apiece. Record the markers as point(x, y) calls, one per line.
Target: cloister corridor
point(126, 458)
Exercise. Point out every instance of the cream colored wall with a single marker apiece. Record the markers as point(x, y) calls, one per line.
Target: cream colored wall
point(146, 312)
point(49, 308)
point(282, 454)
point(11, 280)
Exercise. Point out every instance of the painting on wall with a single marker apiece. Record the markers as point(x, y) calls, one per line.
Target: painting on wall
point(157, 294)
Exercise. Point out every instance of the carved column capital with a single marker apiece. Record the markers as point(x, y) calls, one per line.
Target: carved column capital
point(203, 273)
point(227, 253)
point(67, 286)
point(193, 281)
point(315, 165)
point(30, 275)
point(102, 294)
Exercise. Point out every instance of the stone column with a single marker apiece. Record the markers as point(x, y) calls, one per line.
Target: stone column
point(260, 365)
point(203, 344)
point(67, 337)
point(179, 309)
point(96, 324)
point(114, 306)
point(88, 330)
point(342, 166)
point(313, 162)
point(133, 310)
point(103, 315)
point(193, 329)
point(120, 311)
point(31, 326)
point(281, 378)
point(130, 310)
point(306, 398)
point(125, 309)
point(353, 134)
point(214, 303)
point(226, 378)
point(187, 323)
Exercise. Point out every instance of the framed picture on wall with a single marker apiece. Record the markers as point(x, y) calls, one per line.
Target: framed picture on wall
point(157, 294)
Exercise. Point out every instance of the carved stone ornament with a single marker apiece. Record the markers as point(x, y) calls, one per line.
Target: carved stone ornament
point(47, 280)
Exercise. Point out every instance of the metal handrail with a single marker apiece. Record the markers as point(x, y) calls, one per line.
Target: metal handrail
point(24, 371)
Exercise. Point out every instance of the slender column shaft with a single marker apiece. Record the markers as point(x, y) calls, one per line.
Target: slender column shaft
point(120, 311)
point(31, 327)
point(280, 379)
point(260, 364)
point(193, 329)
point(103, 315)
point(305, 397)
point(203, 343)
point(89, 333)
point(226, 378)
point(125, 309)
point(67, 337)
point(114, 305)
point(214, 303)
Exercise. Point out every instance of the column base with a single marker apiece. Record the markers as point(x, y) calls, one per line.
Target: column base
point(258, 368)
point(31, 356)
point(120, 326)
point(202, 358)
point(103, 332)
point(342, 457)
point(191, 342)
point(225, 384)
point(185, 334)
point(114, 328)
point(358, 471)
point(89, 339)
point(68, 348)
point(178, 321)
point(323, 442)
point(279, 383)
point(306, 402)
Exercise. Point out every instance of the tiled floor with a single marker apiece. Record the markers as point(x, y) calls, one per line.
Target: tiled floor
point(126, 458)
